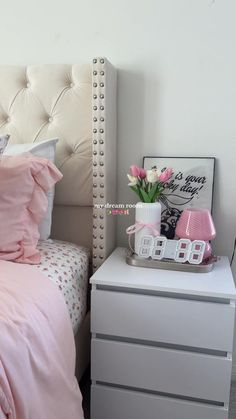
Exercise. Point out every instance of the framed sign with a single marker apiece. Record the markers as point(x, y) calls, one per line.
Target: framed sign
point(190, 186)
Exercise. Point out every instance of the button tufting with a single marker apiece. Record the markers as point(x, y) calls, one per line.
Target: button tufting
point(8, 119)
point(50, 119)
point(28, 84)
point(72, 84)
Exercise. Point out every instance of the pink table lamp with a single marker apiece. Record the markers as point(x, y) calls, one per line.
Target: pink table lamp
point(197, 224)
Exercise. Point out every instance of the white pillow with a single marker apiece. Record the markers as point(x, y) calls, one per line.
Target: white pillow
point(44, 149)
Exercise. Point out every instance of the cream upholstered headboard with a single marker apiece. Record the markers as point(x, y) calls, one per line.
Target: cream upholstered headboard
point(77, 104)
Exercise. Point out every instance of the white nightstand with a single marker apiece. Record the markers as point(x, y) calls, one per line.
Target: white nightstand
point(161, 342)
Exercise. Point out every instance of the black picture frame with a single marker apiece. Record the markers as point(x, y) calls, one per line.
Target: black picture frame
point(192, 185)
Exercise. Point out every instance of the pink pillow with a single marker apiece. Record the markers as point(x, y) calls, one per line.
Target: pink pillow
point(24, 181)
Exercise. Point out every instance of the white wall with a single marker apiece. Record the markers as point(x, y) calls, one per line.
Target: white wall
point(177, 67)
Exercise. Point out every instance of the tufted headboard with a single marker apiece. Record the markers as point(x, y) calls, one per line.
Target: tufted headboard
point(77, 104)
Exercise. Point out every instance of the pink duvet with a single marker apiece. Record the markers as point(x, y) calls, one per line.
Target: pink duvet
point(37, 353)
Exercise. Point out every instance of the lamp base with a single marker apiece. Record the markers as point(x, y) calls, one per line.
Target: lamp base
point(208, 251)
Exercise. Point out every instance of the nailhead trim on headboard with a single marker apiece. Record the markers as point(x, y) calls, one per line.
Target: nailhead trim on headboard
point(103, 150)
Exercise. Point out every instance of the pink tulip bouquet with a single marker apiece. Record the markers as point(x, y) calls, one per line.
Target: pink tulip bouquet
point(148, 184)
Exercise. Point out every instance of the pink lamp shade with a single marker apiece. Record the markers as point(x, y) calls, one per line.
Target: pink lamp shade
point(196, 224)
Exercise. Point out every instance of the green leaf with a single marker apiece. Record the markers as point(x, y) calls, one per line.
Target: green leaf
point(140, 195)
point(146, 188)
point(145, 196)
point(158, 194)
point(137, 191)
point(153, 191)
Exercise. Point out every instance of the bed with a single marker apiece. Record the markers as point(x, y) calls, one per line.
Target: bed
point(77, 104)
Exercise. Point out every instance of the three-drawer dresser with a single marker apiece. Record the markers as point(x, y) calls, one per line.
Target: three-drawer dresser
point(161, 342)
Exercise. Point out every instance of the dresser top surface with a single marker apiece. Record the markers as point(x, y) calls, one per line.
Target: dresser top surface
point(115, 272)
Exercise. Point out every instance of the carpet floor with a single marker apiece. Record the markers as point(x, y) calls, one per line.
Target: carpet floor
point(85, 389)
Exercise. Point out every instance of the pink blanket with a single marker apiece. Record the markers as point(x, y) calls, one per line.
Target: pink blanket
point(37, 352)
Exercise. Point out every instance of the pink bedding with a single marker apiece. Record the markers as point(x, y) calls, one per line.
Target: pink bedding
point(37, 353)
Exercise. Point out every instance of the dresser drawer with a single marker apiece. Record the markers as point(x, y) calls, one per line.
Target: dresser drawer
point(164, 370)
point(167, 320)
point(112, 403)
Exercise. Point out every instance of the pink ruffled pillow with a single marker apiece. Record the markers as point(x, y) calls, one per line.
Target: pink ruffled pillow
point(24, 181)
